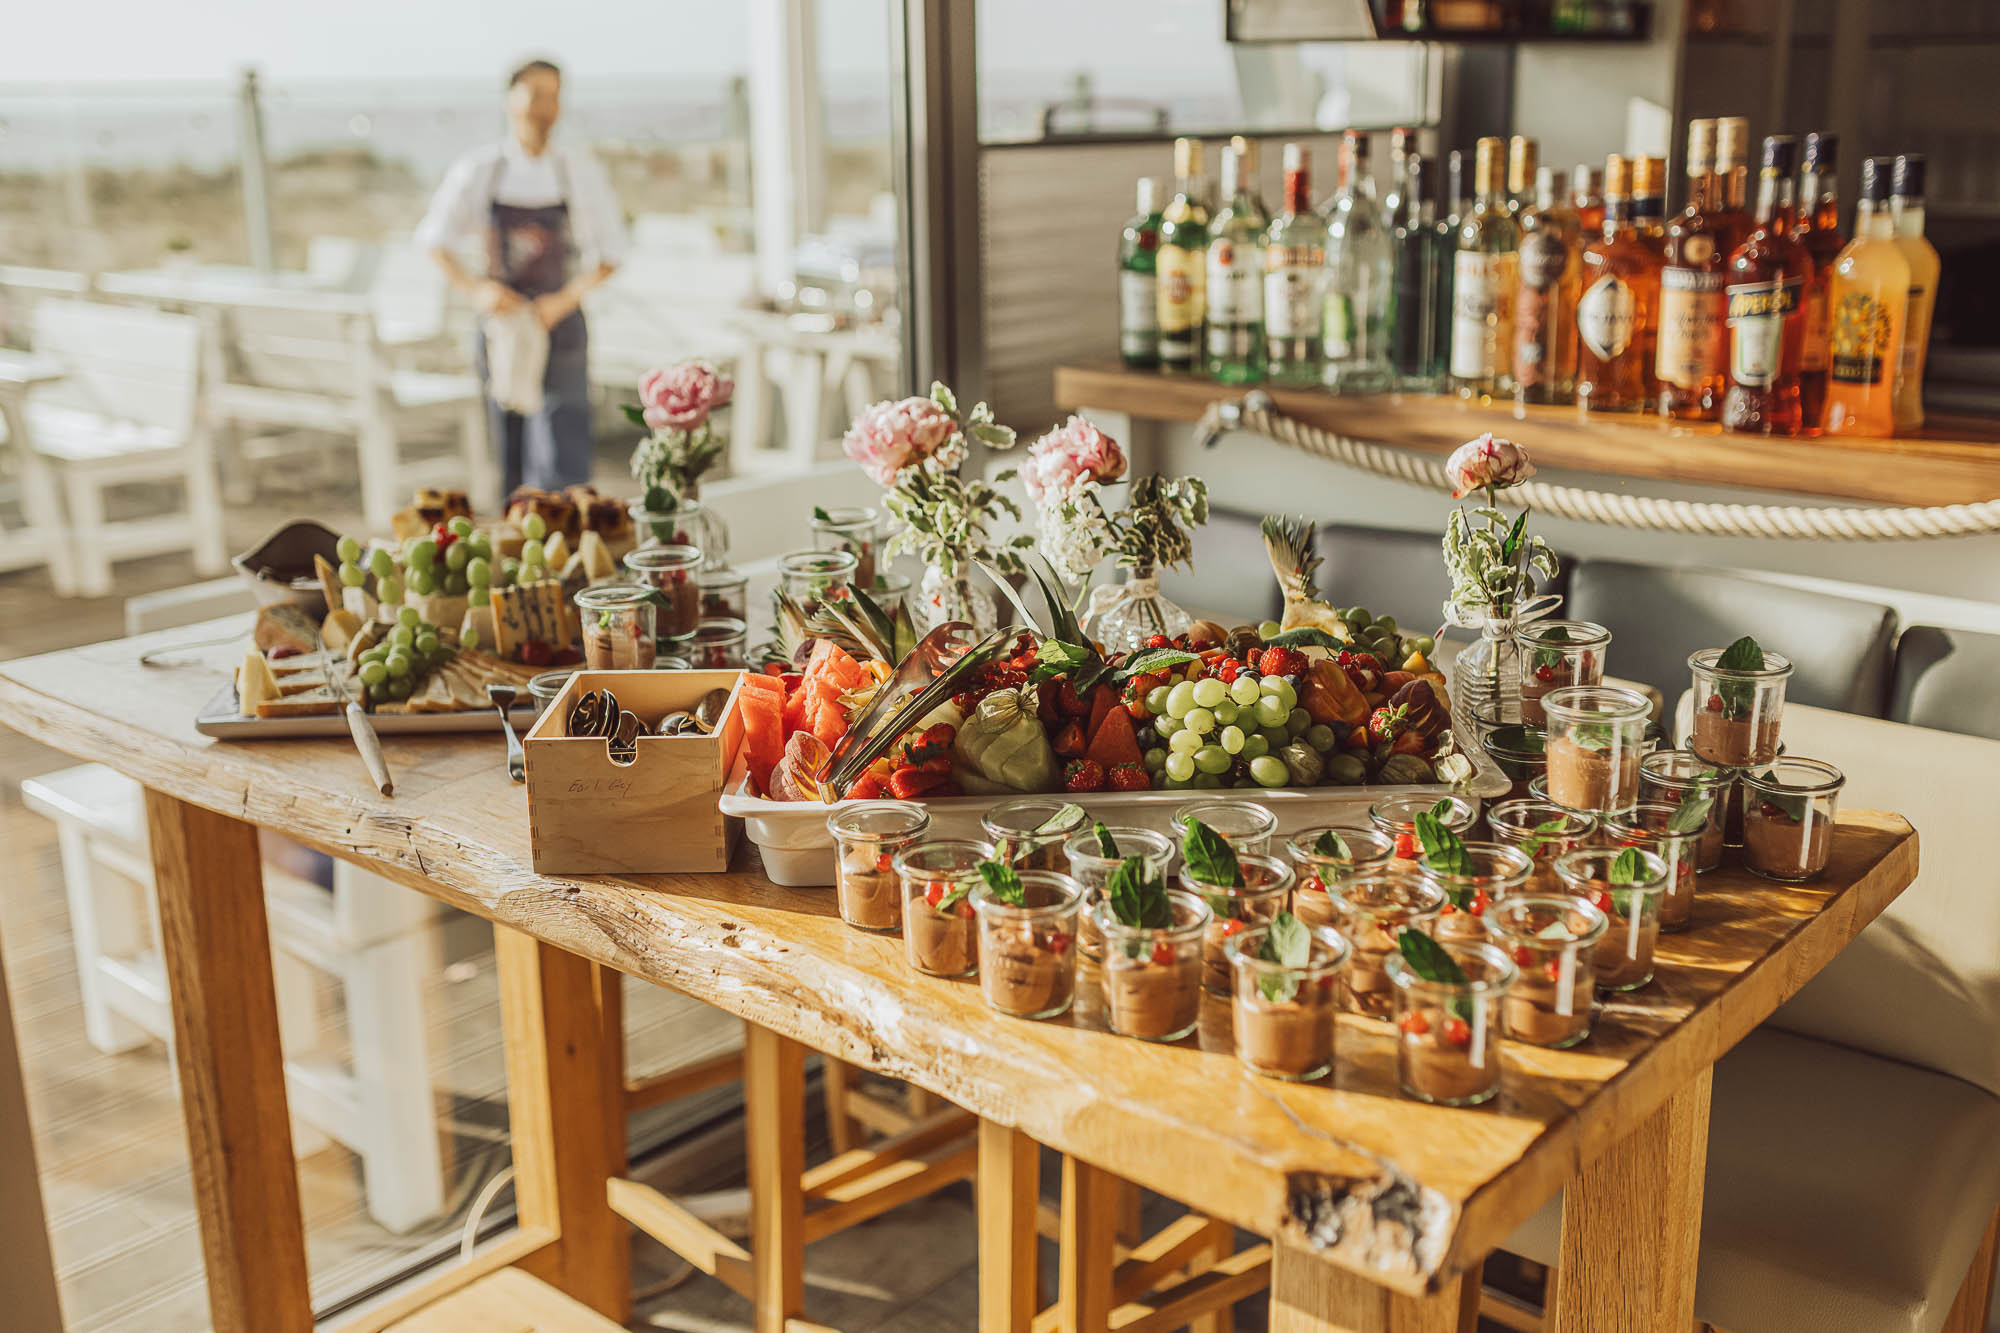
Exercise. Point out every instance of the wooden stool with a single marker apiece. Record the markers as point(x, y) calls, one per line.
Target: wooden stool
point(508, 1299)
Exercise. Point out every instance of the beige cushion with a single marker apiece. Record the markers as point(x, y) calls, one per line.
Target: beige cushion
point(1844, 1191)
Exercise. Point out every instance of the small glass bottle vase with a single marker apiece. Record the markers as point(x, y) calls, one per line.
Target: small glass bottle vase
point(945, 598)
point(686, 523)
point(1127, 615)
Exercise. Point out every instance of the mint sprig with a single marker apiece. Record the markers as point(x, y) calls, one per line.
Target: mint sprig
point(1064, 816)
point(1138, 900)
point(1287, 943)
point(1794, 807)
point(1544, 833)
point(1330, 843)
point(1551, 657)
point(1106, 844)
point(1746, 654)
point(1153, 659)
point(1428, 960)
point(1210, 859)
point(821, 516)
point(1738, 695)
point(1003, 883)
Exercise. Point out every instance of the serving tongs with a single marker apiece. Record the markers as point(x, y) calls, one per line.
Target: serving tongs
point(937, 668)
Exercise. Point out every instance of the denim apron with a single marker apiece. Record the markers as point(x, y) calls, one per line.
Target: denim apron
point(529, 250)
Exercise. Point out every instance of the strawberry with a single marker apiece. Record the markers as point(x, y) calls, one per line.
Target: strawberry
point(1480, 902)
point(1414, 1023)
point(1406, 846)
point(1157, 641)
point(1545, 674)
point(1602, 902)
point(1254, 659)
point(1228, 674)
point(939, 764)
point(1387, 723)
point(1312, 884)
point(535, 653)
point(907, 784)
point(1068, 740)
point(1135, 708)
point(1069, 701)
point(1163, 952)
point(1523, 955)
point(935, 891)
point(1128, 777)
point(883, 862)
point(867, 787)
point(1282, 662)
point(1084, 775)
point(1058, 942)
point(1457, 1033)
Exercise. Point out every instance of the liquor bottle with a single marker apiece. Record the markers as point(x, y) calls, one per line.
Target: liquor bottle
point(1235, 328)
point(1420, 273)
point(1138, 280)
point(1692, 361)
point(1182, 262)
point(1294, 278)
point(1732, 173)
point(1587, 197)
point(1819, 232)
point(1402, 143)
point(1545, 305)
point(1359, 270)
point(1870, 297)
point(1621, 296)
point(1906, 206)
point(1766, 288)
point(1450, 212)
point(1649, 201)
point(1522, 153)
point(1485, 271)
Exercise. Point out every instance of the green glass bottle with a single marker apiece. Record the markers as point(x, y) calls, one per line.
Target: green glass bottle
point(1235, 324)
point(1181, 263)
point(1138, 281)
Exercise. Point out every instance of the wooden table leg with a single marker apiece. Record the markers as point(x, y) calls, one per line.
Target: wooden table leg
point(1311, 1295)
point(1009, 1190)
point(1221, 1244)
point(217, 945)
point(1649, 1185)
point(774, 1075)
point(1088, 1240)
point(560, 1070)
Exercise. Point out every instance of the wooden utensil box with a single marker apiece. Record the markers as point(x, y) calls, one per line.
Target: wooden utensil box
point(590, 815)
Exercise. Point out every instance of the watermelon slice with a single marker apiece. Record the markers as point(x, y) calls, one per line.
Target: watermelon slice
point(753, 680)
point(795, 711)
point(1115, 742)
point(763, 736)
point(1102, 700)
point(830, 724)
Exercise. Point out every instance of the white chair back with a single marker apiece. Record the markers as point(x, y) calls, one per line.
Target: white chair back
point(121, 363)
point(302, 348)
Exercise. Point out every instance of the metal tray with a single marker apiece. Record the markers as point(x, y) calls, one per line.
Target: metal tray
point(219, 718)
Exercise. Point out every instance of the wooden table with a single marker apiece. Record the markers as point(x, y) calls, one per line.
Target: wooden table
point(1379, 1206)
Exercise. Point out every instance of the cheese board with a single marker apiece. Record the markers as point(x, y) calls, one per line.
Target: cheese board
point(219, 717)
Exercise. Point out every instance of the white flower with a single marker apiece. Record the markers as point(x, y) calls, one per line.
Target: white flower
point(1076, 533)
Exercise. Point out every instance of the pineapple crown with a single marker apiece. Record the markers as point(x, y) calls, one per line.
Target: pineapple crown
point(1289, 542)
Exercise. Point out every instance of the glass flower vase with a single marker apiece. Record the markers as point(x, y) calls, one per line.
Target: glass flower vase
point(943, 598)
point(1486, 676)
point(1125, 616)
point(686, 523)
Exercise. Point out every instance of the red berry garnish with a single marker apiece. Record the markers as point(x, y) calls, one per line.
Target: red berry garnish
point(1312, 884)
point(1157, 641)
point(1058, 942)
point(882, 862)
point(1715, 703)
point(1545, 674)
point(1228, 673)
point(1480, 902)
point(935, 891)
point(1523, 954)
point(1406, 846)
point(1163, 953)
point(1253, 657)
point(1457, 1032)
point(1414, 1023)
point(1602, 902)
point(1554, 970)
point(1232, 927)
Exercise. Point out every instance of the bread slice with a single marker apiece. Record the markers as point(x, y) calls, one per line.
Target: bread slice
point(285, 625)
point(317, 701)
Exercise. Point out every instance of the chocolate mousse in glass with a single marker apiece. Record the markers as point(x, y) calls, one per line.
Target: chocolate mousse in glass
point(1552, 938)
point(1372, 908)
point(1555, 654)
point(1152, 977)
point(1542, 831)
point(1631, 904)
point(1597, 736)
point(867, 836)
point(1496, 870)
point(1283, 1014)
point(618, 627)
point(811, 577)
point(1672, 776)
point(1029, 833)
point(937, 880)
point(1739, 702)
point(1397, 817)
point(1091, 866)
point(1244, 825)
point(1027, 951)
point(671, 571)
point(1448, 1034)
point(1788, 812)
point(1265, 891)
point(852, 531)
point(1319, 862)
point(1650, 826)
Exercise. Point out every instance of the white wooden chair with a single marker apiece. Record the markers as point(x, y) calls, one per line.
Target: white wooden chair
point(126, 411)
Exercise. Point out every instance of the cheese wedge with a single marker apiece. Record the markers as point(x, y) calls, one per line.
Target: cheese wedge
point(329, 580)
point(364, 638)
point(339, 626)
point(254, 683)
point(360, 603)
point(598, 562)
point(555, 550)
point(321, 700)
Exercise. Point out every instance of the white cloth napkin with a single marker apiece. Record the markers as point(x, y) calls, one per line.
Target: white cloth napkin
point(517, 354)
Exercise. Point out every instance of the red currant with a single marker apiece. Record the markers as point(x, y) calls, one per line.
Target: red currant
point(882, 863)
point(1457, 1032)
point(1545, 674)
point(1414, 1023)
point(1058, 942)
point(1157, 641)
point(935, 891)
point(1163, 953)
point(1232, 927)
point(1523, 954)
point(1312, 884)
point(1480, 902)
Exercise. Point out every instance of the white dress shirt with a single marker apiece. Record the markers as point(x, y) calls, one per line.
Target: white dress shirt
point(460, 210)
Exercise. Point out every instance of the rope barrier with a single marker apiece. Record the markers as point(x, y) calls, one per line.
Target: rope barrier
point(1256, 413)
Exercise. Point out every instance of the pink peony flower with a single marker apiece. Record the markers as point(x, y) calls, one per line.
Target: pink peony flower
point(1487, 461)
point(890, 436)
point(681, 397)
point(1073, 450)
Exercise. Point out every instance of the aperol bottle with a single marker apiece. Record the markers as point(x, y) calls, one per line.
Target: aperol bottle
point(1766, 290)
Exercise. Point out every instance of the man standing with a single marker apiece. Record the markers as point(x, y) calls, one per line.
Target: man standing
point(553, 233)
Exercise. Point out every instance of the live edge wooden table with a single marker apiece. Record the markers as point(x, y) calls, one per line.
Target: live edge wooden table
point(1380, 1209)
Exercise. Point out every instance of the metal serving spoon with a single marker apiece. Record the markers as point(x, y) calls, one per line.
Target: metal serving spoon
point(502, 697)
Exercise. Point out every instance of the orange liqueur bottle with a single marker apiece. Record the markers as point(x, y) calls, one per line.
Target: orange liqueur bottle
point(1693, 350)
point(1766, 289)
point(1869, 293)
point(1621, 293)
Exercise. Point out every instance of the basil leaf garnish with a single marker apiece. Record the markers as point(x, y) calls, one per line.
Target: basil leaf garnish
point(1210, 859)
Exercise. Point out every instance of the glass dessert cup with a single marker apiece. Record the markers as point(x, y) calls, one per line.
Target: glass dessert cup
point(810, 577)
point(1553, 940)
point(1267, 888)
point(1625, 953)
point(1397, 817)
point(1497, 871)
point(543, 687)
point(1597, 736)
point(1027, 954)
point(891, 590)
point(937, 879)
point(1152, 978)
point(687, 523)
point(1788, 812)
point(852, 531)
point(725, 593)
point(1091, 869)
point(1244, 825)
point(867, 838)
point(1283, 1017)
point(1672, 776)
point(1737, 713)
point(1026, 834)
point(671, 571)
point(618, 633)
point(1541, 830)
point(1645, 826)
point(1448, 1035)
point(1371, 909)
point(1556, 654)
point(1519, 750)
point(1368, 849)
point(718, 645)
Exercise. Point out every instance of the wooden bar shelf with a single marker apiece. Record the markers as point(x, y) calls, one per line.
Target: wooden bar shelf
point(1956, 460)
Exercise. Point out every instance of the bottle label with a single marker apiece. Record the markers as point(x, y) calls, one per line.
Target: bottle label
point(1543, 259)
point(1694, 342)
point(1918, 321)
point(1482, 309)
point(1605, 315)
point(1757, 314)
point(1819, 328)
point(1864, 339)
point(1292, 275)
point(1235, 282)
point(1182, 286)
point(1138, 313)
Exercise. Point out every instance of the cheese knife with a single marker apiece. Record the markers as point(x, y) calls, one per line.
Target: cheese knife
point(362, 728)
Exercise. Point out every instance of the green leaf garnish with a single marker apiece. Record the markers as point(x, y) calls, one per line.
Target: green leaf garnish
point(1138, 900)
point(1743, 655)
point(1551, 657)
point(1305, 636)
point(1544, 833)
point(1063, 656)
point(1738, 695)
point(1105, 842)
point(1428, 959)
point(1154, 659)
point(1626, 868)
point(1691, 815)
point(821, 516)
point(1511, 547)
point(1794, 807)
point(1065, 815)
point(1444, 850)
point(1287, 943)
point(1210, 859)
point(1330, 843)
point(1442, 808)
point(956, 895)
point(1003, 883)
